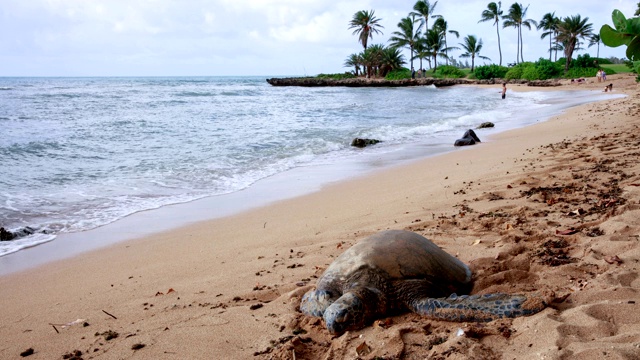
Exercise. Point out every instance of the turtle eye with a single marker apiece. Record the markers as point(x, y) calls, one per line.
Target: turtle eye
point(343, 317)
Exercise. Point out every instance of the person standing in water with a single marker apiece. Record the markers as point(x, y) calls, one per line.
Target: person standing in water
point(504, 90)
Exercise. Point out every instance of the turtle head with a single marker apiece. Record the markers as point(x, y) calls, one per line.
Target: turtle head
point(315, 302)
point(346, 313)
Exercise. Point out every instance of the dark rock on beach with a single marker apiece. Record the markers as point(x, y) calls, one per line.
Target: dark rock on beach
point(469, 138)
point(357, 142)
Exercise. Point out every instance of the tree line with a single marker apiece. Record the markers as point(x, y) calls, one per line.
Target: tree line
point(425, 43)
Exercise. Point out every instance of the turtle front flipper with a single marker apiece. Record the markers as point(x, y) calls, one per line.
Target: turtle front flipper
point(479, 307)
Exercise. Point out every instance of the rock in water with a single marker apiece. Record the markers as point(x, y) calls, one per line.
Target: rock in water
point(357, 142)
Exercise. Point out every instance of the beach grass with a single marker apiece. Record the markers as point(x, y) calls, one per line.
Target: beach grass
point(618, 68)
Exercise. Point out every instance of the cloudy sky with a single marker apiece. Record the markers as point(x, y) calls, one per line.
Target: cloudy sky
point(238, 37)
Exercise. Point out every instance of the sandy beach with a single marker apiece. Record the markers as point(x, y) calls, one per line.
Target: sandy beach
point(554, 206)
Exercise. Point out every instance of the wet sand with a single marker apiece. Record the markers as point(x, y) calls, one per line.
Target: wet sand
point(554, 206)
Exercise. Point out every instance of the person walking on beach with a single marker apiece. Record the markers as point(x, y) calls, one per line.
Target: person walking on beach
point(599, 75)
point(504, 90)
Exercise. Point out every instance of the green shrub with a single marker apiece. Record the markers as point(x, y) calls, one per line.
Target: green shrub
point(516, 71)
point(575, 73)
point(548, 69)
point(530, 73)
point(493, 71)
point(449, 71)
point(603, 61)
point(584, 61)
point(399, 74)
point(346, 75)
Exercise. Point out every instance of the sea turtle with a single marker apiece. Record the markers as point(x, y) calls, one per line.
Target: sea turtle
point(395, 270)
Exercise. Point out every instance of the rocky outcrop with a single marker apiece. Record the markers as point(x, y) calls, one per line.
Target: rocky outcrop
point(362, 82)
point(544, 83)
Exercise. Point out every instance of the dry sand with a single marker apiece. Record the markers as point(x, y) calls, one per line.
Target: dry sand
point(552, 206)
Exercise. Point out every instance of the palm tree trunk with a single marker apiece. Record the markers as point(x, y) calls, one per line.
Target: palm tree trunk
point(550, 51)
point(518, 46)
point(446, 52)
point(472, 62)
point(499, 49)
point(521, 43)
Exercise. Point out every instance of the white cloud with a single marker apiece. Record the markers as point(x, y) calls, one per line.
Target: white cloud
point(235, 37)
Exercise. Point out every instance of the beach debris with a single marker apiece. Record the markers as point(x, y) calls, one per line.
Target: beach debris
point(108, 335)
point(110, 314)
point(363, 349)
point(137, 346)
point(577, 212)
point(255, 306)
point(555, 253)
point(567, 231)
point(384, 323)
point(27, 352)
point(358, 142)
point(74, 355)
point(71, 323)
point(613, 260)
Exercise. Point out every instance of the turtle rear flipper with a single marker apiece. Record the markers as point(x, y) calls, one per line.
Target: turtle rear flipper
point(481, 308)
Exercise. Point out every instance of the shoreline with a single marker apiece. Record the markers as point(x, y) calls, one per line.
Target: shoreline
point(298, 181)
point(202, 283)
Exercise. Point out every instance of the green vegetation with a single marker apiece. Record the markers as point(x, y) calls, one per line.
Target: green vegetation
point(492, 71)
point(449, 72)
point(346, 75)
point(365, 24)
point(428, 44)
point(616, 68)
point(626, 32)
point(399, 74)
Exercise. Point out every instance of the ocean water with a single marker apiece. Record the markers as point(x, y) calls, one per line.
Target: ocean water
point(79, 153)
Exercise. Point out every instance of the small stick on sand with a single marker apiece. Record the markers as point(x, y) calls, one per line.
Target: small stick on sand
point(55, 328)
point(109, 314)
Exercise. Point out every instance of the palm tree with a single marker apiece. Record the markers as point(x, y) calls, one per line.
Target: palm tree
point(549, 24)
point(570, 30)
point(372, 59)
point(435, 42)
point(493, 13)
point(365, 24)
point(422, 51)
point(595, 40)
point(442, 26)
point(425, 9)
point(354, 60)
point(556, 47)
point(407, 36)
point(392, 59)
point(472, 46)
point(516, 18)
